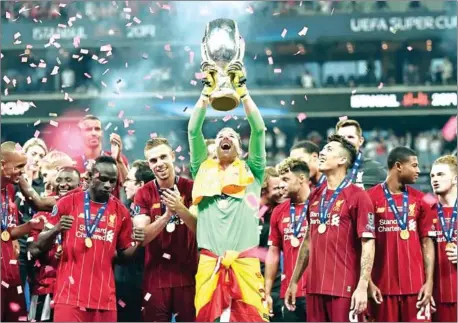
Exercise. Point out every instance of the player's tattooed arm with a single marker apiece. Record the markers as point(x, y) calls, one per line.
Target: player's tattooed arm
point(302, 259)
point(425, 294)
point(367, 261)
point(31, 196)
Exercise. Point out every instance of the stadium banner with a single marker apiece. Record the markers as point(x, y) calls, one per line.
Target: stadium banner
point(383, 26)
point(280, 103)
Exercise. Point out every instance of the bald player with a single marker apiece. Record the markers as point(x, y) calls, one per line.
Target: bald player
point(13, 161)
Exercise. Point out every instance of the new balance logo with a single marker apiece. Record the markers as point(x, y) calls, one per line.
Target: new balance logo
point(335, 220)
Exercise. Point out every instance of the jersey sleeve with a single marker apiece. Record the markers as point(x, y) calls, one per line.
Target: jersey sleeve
point(62, 207)
point(141, 201)
point(363, 214)
point(125, 234)
point(275, 237)
point(426, 226)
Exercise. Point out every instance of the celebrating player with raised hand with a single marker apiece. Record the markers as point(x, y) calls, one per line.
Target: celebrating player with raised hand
point(95, 227)
point(403, 269)
point(444, 184)
point(226, 192)
point(170, 242)
point(339, 246)
point(287, 230)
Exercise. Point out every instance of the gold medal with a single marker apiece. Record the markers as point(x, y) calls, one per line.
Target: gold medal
point(405, 234)
point(449, 245)
point(88, 242)
point(5, 236)
point(294, 242)
point(322, 228)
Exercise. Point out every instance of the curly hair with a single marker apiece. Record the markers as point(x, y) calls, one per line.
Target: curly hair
point(293, 165)
point(347, 146)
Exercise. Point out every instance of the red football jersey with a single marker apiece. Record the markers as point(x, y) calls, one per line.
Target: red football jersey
point(10, 264)
point(444, 272)
point(80, 159)
point(171, 258)
point(46, 266)
point(280, 236)
point(85, 275)
point(398, 265)
point(335, 255)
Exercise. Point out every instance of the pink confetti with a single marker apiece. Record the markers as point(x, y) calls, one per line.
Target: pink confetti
point(76, 41)
point(191, 57)
point(166, 255)
point(6, 79)
point(7, 15)
point(167, 47)
point(271, 60)
point(252, 201)
point(130, 132)
point(343, 118)
point(181, 158)
point(18, 147)
point(277, 70)
point(5, 284)
point(37, 123)
point(227, 118)
point(17, 35)
point(301, 116)
point(303, 31)
point(13, 261)
point(121, 114)
point(48, 269)
point(250, 10)
point(380, 86)
point(153, 135)
point(147, 297)
point(121, 303)
point(22, 319)
point(193, 82)
point(19, 289)
point(53, 123)
point(88, 75)
point(429, 199)
point(126, 123)
point(449, 130)
point(199, 76)
point(105, 48)
point(178, 149)
point(283, 33)
point(14, 307)
point(409, 48)
point(36, 134)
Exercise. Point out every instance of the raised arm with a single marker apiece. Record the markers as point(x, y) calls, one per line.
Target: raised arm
point(196, 140)
point(38, 203)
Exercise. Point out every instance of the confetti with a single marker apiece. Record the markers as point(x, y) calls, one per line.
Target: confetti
point(353, 92)
point(282, 102)
point(270, 60)
point(17, 35)
point(137, 21)
point(6, 79)
point(409, 48)
point(121, 114)
point(178, 149)
point(84, 51)
point(14, 307)
point(191, 57)
point(36, 134)
point(343, 118)
point(7, 15)
point(37, 123)
point(48, 269)
point(22, 319)
point(13, 261)
point(250, 10)
point(130, 132)
point(19, 289)
point(303, 31)
point(44, 80)
point(121, 303)
point(147, 297)
point(126, 123)
point(18, 146)
point(380, 86)
point(105, 48)
point(53, 123)
point(88, 75)
point(301, 116)
point(393, 30)
point(181, 158)
point(159, 96)
point(5, 284)
point(167, 47)
point(153, 135)
point(227, 118)
point(55, 70)
point(108, 126)
point(199, 76)
point(283, 33)
point(293, 102)
point(193, 82)
point(166, 256)
point(449, 130)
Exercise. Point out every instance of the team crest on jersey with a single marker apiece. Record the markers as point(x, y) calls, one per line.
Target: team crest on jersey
point(338, 205)
point(380, 210)
point(112, 219)
point(156, 206)
point(54, 210)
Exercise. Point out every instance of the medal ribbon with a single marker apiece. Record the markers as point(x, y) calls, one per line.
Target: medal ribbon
point(320, 181)
point(355, 168)
point(90, 228)
point(292, 212)
point(324, 211)
point(402, 222)
point(448, 232)
point(5, 212)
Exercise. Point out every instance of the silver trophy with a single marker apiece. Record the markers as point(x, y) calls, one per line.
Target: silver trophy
point(221, 46)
